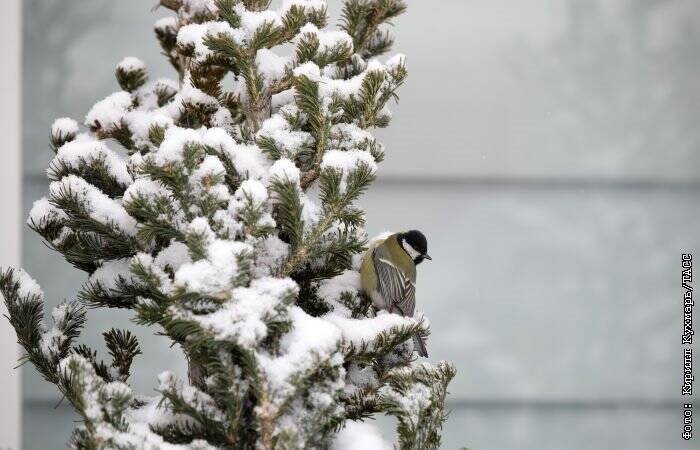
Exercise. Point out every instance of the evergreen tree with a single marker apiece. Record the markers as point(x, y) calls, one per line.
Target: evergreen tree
point(221, 209)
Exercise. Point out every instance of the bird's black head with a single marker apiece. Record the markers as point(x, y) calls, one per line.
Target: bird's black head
point(415, 244)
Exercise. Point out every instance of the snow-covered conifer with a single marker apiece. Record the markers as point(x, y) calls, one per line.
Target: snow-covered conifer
point(221, 208)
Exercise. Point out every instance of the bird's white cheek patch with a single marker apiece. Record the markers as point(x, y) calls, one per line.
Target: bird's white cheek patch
point(411, 251)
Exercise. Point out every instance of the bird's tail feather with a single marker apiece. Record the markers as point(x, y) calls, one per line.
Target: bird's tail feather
point(419, 345)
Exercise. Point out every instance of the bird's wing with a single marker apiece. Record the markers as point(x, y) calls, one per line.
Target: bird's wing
point(397, 289)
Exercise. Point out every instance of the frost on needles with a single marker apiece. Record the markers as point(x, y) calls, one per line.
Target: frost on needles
point(220, 207)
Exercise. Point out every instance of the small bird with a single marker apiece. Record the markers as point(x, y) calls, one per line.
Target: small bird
point(388, 274)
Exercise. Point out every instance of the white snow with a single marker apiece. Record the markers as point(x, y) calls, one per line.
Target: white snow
point(98, 205)
point(343, 88)
point(211, 167)
point(155, 412)
point(285, 97)
point(42, 210)
point(348, 161)
point(310, 70)
point(254, 190)
point(329, 87)
point(172, 147)
point(140, 123)
point(306, 4)
point(242, 318)
point(28, 286)
point(360, 436)
point(62, 236)
point(195, 398)
point(96, 395)
point(327, 40)
point(147, 188)
point(147, 261)
point(356, 331)
point(361, 377)
point(227, 221)
point(252, 20)
point(194, 34)
point(270, 65)
point(331, 289)
point(278, 129)
point(346, 136)
point(58, 314)
point(110, 271)
point(222, 118)
point(193, 96)
point(200, 226)
point(249, 160)
point(311, 211)
point(174, 255)
point(312, 339)
point(219, 139)
point(64, 126)
point(140, 436)
point(166, 22)
point(283, 169)
point(51, 341)
point(131, 64)
point(214, 274)
point(86, 377)
point(166, 83)
point(108, 113)
point(273, 123)
point(78, 152)
point(270, 254)
point(412, 401)
point(242, 311)
point(192, 7)
point(397, 60)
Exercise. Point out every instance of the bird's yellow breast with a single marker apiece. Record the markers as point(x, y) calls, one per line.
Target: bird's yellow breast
point(368, 275)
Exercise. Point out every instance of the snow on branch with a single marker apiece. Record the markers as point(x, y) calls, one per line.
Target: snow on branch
point(221, 207)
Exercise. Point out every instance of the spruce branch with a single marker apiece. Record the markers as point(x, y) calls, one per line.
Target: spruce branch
point(227, 11)
point(95, 171)
point(44, 348)
point(123, 348)
point(288, 210)
point(362, 18)
point(419, 428)
point(256, 5)
point(59, 137)
point(198, 407)
point(362, 404)
point(384, 343)
point(309, 102)
point(335, 209)
point(230, 222)
point(243, 63)
point(131, 78)
point(101, 369)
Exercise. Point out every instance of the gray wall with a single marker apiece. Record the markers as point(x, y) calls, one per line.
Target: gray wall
point(548, 149)
point(10, 204)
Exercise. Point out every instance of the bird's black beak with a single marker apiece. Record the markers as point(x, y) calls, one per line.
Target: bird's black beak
point(427, 256)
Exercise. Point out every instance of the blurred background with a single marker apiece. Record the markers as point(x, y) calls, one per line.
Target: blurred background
point(549, 149)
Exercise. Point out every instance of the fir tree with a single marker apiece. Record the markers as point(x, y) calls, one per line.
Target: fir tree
point(221, 209)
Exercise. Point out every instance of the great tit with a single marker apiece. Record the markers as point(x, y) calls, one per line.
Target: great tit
point(388, 274)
